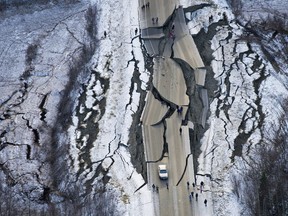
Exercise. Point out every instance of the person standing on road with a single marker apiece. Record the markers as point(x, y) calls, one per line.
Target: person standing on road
point(188, 185)
point(167, 186)
point(153, 186)
point(192, 194)
point(201, 186)
point(178, 110)
point(205, 202)
point(196, 196)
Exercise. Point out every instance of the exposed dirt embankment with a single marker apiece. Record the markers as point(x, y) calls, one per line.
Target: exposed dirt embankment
point(135, 138)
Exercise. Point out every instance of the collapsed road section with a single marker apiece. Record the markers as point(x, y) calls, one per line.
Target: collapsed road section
point(166, 132)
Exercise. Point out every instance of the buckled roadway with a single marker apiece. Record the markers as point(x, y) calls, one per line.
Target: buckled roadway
point(163, 141)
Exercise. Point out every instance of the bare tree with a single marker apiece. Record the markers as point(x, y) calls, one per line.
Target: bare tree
point(236, 6)
point(265, 188)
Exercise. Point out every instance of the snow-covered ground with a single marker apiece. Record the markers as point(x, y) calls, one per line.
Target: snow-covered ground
point(111, 148)
point(33, 83)
point(56, 36)
point(248, 103)
point(248, 92)
point(36, 51)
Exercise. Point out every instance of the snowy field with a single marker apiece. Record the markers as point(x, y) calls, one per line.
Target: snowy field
point(247, 106)
point(111, 148)
point(39, 53)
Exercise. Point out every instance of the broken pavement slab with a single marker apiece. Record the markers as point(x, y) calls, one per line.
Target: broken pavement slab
point(200, 75)
point(152, 33)
point(157, 111)
point(153, 137)
point(186, 50)
point(152, 46)
point(168, 79)
point(204, 99)
point(184, 46)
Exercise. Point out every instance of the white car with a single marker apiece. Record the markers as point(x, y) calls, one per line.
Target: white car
point(163, 173)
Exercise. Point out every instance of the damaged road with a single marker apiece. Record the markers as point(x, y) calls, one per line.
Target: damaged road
point(165, 131)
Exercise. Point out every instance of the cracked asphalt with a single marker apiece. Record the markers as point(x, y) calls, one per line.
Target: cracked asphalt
point(43, 76)
point(165, 130)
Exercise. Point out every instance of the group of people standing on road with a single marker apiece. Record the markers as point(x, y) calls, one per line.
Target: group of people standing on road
point(191, 194)
point(155, 20)
point(147, 6)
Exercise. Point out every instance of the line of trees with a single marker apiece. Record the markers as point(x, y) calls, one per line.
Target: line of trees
point(263, 189)
point(101, 203)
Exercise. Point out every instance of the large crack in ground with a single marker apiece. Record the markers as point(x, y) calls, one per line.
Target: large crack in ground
point(34, 130)
point(193, 91)
point(43, 109)
point(89, 117)
point(243, 136)
point(60, 147)
point(135, 136)
point(202, 41)
point(44, 144)
point(225, 103)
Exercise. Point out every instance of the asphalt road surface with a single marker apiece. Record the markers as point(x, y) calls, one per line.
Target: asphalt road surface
point(166, 139)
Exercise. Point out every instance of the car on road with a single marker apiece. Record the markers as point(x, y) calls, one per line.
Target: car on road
point(163, 172)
